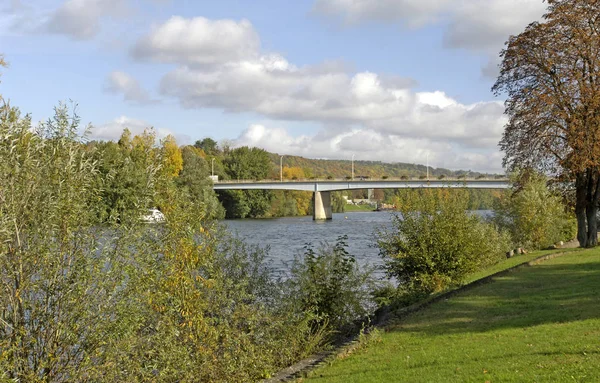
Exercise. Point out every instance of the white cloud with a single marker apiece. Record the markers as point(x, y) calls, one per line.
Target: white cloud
point(485, 25)
point(122, 83)
point(357, 110)
point(414, 13)
point(471, 24)
point(335, 98)
point(199, 41)
point(80, 19)
point(370, 145)
point(111, 131)
point(482, 26)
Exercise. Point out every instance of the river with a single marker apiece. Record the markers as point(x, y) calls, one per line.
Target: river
point(287, 237)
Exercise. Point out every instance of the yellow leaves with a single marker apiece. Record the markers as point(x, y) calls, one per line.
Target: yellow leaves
point(172, 158)
point(293, 173)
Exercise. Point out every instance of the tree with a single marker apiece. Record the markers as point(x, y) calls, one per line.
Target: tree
point(551, 74)
point(293, 173)
point(172, 160)
point(194, 179)
point(126, 172)
point(208, 145)
point(247, 164)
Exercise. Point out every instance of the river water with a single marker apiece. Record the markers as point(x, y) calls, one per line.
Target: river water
point(288, 236)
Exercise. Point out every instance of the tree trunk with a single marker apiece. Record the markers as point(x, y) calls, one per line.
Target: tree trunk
point(580, 208)
point(592, 208)
point(592, 229)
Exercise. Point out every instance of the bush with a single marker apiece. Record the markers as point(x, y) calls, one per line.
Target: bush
point(329, 283)
point(436, 242)
point(534, 216)
point(179, 301)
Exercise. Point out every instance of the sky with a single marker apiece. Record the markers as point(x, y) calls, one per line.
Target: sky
point(383, 80)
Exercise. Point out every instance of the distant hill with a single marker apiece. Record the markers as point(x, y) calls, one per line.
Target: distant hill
point(373, 169)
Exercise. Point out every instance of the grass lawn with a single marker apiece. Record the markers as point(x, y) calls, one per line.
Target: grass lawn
point(359, 208)
point(535, 324)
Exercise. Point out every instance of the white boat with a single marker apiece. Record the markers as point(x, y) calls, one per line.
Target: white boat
point(153, 216)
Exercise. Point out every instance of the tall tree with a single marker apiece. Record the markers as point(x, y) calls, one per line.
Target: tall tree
point(208, 145)
point(551, 74)
point(246, 164)
point(172, 160)
point(194, 179)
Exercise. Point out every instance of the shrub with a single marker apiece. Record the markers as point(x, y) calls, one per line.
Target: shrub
point(179, 301)
point(436, 242)
point(329, 283)
point(534, 216)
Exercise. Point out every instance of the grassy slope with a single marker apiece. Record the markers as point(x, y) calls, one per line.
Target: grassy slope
point(535, 324)
point(359, 208)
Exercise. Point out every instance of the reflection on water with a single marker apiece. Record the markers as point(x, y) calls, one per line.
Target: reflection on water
point(287, 237)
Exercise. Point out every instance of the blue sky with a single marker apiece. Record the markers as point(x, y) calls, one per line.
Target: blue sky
point(390, 80)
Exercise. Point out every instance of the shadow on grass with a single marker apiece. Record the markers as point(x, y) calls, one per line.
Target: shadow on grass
point(546, 293)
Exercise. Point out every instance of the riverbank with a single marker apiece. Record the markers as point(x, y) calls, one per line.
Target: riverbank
point(356, 208)
point(538, 323)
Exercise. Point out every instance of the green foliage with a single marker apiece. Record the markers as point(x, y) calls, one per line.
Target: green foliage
point(534, 216)
point(436, 242)
point(195, 182)
point(126, 174)
point(208, 145)
point(246, 164)
point(58, 283)
point(329, 283)
point(479, 199)
point(127, 302)
point(338, 203)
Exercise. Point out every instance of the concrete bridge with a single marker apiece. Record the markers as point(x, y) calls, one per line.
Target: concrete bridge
point(322, 188)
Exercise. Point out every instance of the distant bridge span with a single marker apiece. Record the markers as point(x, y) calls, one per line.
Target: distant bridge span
point(322, 188)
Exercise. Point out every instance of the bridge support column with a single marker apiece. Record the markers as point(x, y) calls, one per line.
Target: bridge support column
point(322, 205)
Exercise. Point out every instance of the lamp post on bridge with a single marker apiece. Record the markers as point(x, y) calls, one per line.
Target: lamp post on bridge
point(427, 166)
point(281, 169)
point(353, 167)
point(212, 165)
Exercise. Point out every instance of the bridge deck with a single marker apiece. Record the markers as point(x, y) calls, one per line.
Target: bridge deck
point(332, 185)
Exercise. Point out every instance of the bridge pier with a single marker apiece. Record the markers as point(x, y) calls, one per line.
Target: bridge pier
point(322, 205)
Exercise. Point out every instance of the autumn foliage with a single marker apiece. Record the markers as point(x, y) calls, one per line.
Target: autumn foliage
point(551, 74)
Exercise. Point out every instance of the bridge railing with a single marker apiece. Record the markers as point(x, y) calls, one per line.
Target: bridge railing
point(356, 179)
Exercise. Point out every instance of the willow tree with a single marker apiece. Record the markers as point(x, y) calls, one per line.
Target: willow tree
point(551, 75)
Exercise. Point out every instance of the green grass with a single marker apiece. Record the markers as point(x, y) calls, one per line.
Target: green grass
point(534, 324)
point(514, 261)
point(359, 208)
